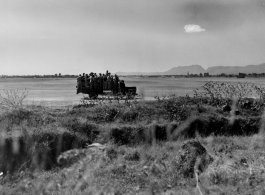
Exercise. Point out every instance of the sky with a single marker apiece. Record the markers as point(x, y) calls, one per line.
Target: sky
point(76, 36)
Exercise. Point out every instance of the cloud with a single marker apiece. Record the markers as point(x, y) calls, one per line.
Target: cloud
point(192, 28)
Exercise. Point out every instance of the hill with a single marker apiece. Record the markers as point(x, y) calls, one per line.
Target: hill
point(180, 70)
point(236, 69)
point(197, 69)
point(139, 73)
point(183, 70)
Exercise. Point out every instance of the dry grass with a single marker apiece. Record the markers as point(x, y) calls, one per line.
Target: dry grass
point(148, 169)
point(143, 140)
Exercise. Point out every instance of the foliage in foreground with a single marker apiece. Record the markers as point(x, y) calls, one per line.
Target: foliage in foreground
point(143, 141)
point(12, 99)
point(237, 169)
point(122, 123)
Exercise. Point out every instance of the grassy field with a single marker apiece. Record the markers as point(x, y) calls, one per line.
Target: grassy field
point(175, 145)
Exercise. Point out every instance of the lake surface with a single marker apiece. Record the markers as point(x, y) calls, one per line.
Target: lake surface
point(52, 91)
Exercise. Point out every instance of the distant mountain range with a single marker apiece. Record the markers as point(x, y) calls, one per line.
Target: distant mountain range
point(236, 69)
point(197, 69)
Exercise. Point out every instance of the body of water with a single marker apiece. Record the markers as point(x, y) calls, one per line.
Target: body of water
point(62, 91)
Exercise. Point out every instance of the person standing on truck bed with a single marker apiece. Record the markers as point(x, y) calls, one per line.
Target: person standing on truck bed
point(96, 82)
point(100, 80)
point(91, 82)
point(109, 82)
point(116, 83)
point(87, 81)
point(104, 82)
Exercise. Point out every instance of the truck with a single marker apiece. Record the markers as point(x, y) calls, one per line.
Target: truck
point(93, 93)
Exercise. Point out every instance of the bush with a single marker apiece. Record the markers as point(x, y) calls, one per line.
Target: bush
point(130, 115)
point(176, 108)
point(12, 99)
point(17, 116)
point(221, 93)
point(111, 114)
point(126, 135)
point(36, 151)
point(131, 135)
point(216, 125)
point(190, 152)
point(89, 129)
point(227, 91)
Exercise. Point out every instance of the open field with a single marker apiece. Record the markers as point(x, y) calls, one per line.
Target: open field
point(178, 145)
point(54, 91)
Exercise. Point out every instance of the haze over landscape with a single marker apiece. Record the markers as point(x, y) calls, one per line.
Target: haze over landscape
point(197, 69)
point(71, 37)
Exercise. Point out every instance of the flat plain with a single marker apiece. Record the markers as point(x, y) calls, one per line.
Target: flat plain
point(63, 90)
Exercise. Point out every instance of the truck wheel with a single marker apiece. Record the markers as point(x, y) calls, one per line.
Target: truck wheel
point(93, 95)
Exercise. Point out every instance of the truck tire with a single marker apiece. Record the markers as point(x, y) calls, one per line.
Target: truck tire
point(93, 95)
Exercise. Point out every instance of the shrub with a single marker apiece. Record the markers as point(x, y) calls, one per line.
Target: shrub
point(12, 99)
point(216, 125)
point(126, 135)
point(17, 116)
point(190, 152)
point(261, 92)
point(37, 151)
point(111, 114)
point(89, 129)
point(130, 115)
point(176, 108)
point(220, 93)
point(131, 135)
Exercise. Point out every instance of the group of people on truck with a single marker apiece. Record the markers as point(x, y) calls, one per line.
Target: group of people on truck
point(100, 82)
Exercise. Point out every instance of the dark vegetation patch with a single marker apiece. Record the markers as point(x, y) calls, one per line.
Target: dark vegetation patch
point(124, 113)
point(137, 134)
point(126, 135)
point(191, 157)
point(216, 125)
point(130, 115)
point(203, 126)
point(36, 151)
